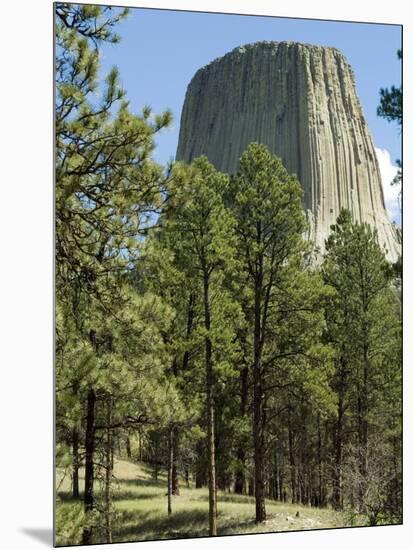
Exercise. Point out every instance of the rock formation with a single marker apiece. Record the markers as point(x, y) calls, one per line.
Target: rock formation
point(299, 100)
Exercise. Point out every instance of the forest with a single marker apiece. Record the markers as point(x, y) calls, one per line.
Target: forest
point(198, 342)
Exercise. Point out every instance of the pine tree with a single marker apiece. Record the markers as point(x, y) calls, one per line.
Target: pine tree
point(106, 184)
point(197, 229)
point(363, 325)
point(270, 221)
point(106, 190)
point(391, 108)
point(391, 101)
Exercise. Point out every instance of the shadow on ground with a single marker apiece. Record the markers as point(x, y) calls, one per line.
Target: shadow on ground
point(142, 482)
point(237, 499)
point(141, 526)
point(119, 495)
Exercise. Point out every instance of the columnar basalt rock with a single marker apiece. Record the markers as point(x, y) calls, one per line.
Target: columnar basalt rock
point(299, 100)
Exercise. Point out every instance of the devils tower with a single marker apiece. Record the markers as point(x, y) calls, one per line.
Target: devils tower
point(299, 100)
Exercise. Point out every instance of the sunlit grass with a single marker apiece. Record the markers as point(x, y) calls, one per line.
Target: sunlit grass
point(140, 505)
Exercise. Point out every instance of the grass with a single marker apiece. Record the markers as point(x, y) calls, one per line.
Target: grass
point(140, 506)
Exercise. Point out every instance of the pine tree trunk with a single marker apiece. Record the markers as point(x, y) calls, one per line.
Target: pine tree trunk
point(276, 492)
point(112, 455)
point(320, 464)
point(338, 444)
point(363, 435)
point(239, 486)
point(128, 449)
point(364, 465)
point(239, 483)
point(75, 450)
point(108, 472)
point(363, 408)
point(258, 416)
point(170, 467)
point(201, 466)
point(280, 468)
point(260, 514)
point(199, 480)
point(140, 451)
point(89, 466)
point(189, 328)
point(395, 495)
point(75, 461)
point(360, 453)
point(251, 487)
point(175, 477)
point(211, 457)
point(210, 415)
point(199, 477)
point(292, 461)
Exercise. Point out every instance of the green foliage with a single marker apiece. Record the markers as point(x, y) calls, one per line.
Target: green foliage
point(268, 208)
point(391, 108)
point(70, 522)
point(270, 224)
point(196, 236)
point(106, 185)
point(391, 102)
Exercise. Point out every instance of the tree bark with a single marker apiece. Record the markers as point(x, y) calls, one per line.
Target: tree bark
point(108, 472)
point(251, 487)
point(128, 449)
point(363, 407)
point(320, 500)
point(170, 467)
point(365, 397)
point(210, 414)
point(258, 405)
point(75, 459)
point(140, 450)
point(292, 460)
point(175, 477)
point(189, 327)
point(200, 476)
point(275, 489)
point(89, 466)
point(338, 453)
point(239, 486)
point(363, 432)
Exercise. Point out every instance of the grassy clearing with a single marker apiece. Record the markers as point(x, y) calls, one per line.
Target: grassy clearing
point(140, 506)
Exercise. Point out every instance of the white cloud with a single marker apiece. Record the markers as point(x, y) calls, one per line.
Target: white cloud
point(391, 192)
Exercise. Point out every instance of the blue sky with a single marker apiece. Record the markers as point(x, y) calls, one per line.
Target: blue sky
point(161, 50)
